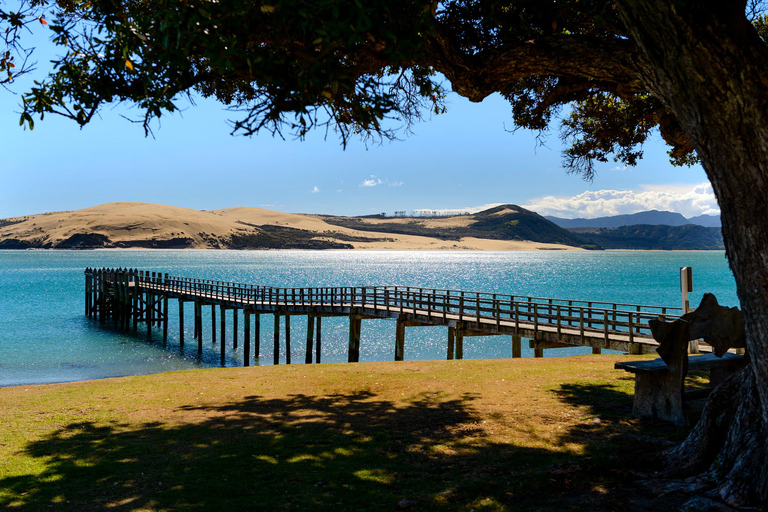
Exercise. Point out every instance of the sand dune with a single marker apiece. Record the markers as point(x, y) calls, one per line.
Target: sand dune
point(128, 224)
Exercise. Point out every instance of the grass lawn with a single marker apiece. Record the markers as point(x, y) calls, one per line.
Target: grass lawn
point(522, 434)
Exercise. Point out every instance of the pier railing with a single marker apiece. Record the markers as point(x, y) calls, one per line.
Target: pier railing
point(483, 309)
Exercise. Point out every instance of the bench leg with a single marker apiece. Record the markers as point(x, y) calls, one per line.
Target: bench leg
point(659, 395)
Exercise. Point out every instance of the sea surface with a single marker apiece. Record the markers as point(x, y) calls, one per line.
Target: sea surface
point(45, 336)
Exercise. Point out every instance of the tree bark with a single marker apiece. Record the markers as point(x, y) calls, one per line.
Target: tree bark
point(710, 68)
point(728, 445)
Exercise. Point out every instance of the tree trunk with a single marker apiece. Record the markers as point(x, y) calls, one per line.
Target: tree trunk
point(728, 444)
point(708, 65)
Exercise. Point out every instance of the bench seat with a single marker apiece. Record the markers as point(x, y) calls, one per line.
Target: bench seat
point(659, 393)
point(695, 363)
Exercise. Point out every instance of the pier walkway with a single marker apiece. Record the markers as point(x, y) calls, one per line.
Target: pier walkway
point(127, 297)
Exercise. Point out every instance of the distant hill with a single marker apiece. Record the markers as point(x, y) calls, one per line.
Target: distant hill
point(710, 221)
point(651, 217)
point(688, 237)
point(505, 222)
point(154, 226)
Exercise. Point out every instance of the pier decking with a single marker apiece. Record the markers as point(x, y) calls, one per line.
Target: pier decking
point(127, 297)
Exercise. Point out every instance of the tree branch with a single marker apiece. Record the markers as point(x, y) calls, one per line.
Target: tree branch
point(594, 59)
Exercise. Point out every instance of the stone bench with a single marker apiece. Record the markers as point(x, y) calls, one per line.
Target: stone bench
point(658, 391)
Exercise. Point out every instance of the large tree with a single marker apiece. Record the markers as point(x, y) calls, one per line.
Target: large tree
point(695, 69)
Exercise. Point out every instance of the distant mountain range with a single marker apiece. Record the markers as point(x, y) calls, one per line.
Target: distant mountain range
point(651, 218)
point(645, 236)
point(653, 229)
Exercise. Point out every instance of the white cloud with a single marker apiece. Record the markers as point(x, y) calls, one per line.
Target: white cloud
point(690, 200)
point(375, 182)
point(315, 190)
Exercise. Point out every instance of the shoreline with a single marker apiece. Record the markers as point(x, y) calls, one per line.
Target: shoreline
point(491, 361)
point(488, 360)
point(359, 249)
point(539, 248)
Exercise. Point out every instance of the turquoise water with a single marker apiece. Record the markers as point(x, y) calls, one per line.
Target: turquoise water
point(45, 337)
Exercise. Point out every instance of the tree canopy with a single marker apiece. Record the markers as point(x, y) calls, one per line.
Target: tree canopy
point(356, 68)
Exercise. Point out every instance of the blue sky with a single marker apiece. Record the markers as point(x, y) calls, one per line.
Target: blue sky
point(462, 159)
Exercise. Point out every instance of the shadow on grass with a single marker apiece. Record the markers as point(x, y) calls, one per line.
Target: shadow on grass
point(345, 452)
point(611, 409)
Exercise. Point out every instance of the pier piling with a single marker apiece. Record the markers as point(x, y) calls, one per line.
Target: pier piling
point(150, 317)
point(181, 321)
point(213, 324)
point(277, 339)
point(400, 338)
point(246, 338)
point(355, 326)
point(165, 318)
point(517, 346)
point(234, 328)
point(287, 339)
point(460, 343)
point(256, 336)
point(222, 335)
point(310, 340)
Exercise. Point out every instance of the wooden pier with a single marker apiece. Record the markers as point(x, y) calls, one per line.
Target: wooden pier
point(126, 298)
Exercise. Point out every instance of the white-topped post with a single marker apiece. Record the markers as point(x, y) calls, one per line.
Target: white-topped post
point(686, 285)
